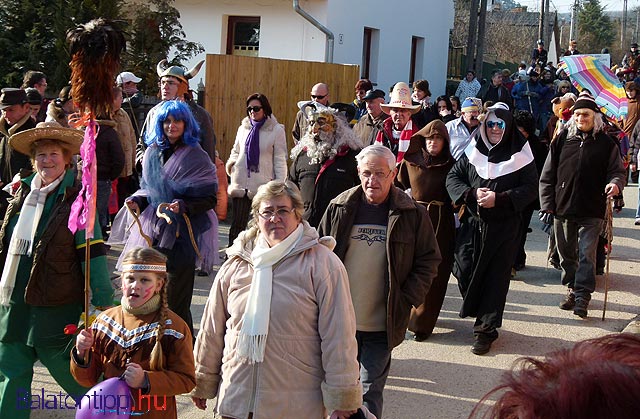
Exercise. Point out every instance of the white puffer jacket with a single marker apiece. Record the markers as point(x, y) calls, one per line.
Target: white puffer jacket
point(273, 158)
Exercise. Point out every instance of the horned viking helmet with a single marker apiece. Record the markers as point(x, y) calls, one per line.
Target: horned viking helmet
point(178, 72)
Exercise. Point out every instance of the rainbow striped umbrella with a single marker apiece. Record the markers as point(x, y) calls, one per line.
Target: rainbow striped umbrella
point(587, 72)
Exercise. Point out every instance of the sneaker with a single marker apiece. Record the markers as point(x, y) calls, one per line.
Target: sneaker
point(580, 308)
point(637, 222)
point(569, 301)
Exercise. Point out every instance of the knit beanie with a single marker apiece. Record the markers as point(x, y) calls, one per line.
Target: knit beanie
point(585, 100)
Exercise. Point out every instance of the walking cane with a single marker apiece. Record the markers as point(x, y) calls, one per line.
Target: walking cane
point(609, 233)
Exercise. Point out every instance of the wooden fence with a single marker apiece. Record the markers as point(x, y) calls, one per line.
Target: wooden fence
point(231, 79)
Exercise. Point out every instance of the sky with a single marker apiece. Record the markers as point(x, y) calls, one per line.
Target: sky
point(564, 6)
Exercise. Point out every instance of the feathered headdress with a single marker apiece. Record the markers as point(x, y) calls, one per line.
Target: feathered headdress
point(95, 49)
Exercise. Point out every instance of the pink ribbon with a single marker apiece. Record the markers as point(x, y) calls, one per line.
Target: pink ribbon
point(83, 210)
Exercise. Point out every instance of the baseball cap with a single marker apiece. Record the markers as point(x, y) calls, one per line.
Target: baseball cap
point(127, 76)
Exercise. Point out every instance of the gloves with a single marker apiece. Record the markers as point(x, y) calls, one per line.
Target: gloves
point(547, 221)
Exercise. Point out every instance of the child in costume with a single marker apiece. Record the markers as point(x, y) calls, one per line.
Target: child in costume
point(142, 340)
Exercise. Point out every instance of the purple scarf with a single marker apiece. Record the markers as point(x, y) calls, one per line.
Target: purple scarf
point(252, 146)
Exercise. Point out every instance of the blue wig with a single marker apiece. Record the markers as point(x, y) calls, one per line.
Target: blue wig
point(180, 112)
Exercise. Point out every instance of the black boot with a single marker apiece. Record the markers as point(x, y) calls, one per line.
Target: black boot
point(581, 305)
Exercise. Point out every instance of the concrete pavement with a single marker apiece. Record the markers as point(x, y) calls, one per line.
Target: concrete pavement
point(441, 378)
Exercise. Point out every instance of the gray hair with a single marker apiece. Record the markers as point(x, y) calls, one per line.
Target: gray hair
point(598, 123)
point(377, 150)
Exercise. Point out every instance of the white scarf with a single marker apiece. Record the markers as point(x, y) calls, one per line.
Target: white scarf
point(23, 234)
point(255, 321)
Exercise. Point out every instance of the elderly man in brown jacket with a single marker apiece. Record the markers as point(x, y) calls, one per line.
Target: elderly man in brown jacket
point(387, 244)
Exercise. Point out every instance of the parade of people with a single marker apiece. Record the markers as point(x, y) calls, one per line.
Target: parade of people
point(439, 232)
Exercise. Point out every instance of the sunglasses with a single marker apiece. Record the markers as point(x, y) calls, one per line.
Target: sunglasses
point(498, 124)
point(318, 96)
point(254, 109)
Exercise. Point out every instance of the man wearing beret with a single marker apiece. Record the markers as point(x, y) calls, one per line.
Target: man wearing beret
point(16, 117)
point(583, 169)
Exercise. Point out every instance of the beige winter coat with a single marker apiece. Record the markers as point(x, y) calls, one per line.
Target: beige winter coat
point(127, 137)
point(273, 158)
point(310, 361)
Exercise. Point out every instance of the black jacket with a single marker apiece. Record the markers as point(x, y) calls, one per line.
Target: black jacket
point(109, 152)
point(577, 169)
point(339, 176)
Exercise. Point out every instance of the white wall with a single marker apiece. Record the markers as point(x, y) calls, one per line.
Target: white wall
point(397, 21)
point(285, 34)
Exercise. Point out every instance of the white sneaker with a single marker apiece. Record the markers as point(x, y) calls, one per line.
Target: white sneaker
point(637, 222)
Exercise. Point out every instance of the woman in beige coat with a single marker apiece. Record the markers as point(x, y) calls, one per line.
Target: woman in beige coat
point(278, 331)
point(259, 155)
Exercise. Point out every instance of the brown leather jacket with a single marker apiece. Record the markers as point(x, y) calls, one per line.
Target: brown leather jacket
point(412, 252)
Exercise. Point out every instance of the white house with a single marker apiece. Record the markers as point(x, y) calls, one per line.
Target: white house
point(399, 40)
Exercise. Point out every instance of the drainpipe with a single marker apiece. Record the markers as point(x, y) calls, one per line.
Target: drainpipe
point(328, 52)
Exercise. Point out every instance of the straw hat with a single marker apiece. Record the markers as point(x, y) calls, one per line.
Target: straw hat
point(72, 138)
point(401, 98)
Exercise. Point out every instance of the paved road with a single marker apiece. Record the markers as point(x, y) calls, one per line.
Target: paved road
point(441, 378)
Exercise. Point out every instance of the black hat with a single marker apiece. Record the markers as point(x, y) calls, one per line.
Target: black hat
point(373, 94)
point(532, 73)
point(12, 96)
point(347, 109)
point(33, 96)
point(585, 100)
point(540, 42)
point(634, 45)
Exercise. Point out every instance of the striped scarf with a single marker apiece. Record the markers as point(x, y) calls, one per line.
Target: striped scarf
point(23, 234)
point(402, 142)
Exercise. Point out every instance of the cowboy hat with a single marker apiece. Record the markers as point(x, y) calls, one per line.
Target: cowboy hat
point(71, 138)
point(400, 98)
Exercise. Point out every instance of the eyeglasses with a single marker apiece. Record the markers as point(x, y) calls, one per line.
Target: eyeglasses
point(375, 175)
point(318, 96)
point(497, 124)
point(254, 109)
point(280, 212)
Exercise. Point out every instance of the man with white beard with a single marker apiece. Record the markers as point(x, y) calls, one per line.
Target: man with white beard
point(324, 163)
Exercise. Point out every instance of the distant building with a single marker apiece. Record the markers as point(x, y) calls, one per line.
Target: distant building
point(390, 40)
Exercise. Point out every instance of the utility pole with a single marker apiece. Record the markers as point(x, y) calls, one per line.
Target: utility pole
point(481, 27)
point(623, 32)
point(541, 21)
point(572, 30)
point(548, 19)
point(471, 39)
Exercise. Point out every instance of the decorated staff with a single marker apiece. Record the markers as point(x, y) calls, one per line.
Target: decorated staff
point(95, 49)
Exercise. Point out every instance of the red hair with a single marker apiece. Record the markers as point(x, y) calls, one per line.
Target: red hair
point(596, 379)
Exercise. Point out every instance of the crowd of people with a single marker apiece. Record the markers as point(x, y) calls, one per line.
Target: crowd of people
point(419, 188)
